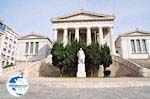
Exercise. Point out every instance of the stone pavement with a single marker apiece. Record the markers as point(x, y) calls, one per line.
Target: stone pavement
point(84, 88)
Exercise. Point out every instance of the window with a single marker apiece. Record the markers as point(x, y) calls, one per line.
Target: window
point(13, 53)
point(12, 58)
point(133, 46)
point(2, 55)
point(31, 47)
point(7, 63)
point(9, 45)
point(144, 46)
point(8, 51)
point(4, 49)
point(6, 38)
point(14, 42)
point(138, 46)
point(5, 44)
point(3, 63)
point(8, 57)
point(36, 47)
point(27, 47)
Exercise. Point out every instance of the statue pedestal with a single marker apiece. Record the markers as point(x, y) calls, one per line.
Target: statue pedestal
point(81, 70)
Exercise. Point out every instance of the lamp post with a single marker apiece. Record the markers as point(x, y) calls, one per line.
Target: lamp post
point(26, 59)
point(24, 70)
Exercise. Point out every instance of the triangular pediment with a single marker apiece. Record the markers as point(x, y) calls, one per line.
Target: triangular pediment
point(137, 33)
point(83, 15)
point(32, 36)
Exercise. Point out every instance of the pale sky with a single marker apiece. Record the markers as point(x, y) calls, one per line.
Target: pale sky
point(26, 16)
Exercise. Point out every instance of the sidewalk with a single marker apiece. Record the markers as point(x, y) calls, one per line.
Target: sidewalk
point(91, 82)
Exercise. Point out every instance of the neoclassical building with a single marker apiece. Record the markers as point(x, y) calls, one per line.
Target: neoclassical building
point(134, 45)
point(85, 26)
point(33, 47)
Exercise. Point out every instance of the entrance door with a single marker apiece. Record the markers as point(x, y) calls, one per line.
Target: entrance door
point(82, 35)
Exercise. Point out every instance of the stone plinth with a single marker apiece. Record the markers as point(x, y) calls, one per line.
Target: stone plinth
point(81, 70)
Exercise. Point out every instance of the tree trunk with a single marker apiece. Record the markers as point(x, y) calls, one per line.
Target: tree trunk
point(91, 72)
point(61, 72)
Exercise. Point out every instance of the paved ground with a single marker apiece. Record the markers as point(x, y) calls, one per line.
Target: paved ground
point(70, 88)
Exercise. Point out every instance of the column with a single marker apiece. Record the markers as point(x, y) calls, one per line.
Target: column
point(100, 36)
point(112, 44)
point(77, 34)
point(55, 35)
point(65, 37)
point(88, 36)
point(109, 39)
point(148, 46)
point(34, 44)
point(141, 45)
point(135, 45)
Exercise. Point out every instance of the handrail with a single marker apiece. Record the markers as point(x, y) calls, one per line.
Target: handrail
point(127, 63)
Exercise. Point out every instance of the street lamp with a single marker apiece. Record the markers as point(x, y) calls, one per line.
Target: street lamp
point(26, 59)
point(23, 71)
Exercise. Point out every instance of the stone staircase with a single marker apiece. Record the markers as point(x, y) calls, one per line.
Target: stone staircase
point(33, 69)
point(142, 62)
point(120, 67)
point(139, 70)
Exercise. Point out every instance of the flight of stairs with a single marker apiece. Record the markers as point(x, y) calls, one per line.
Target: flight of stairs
point(139, 68)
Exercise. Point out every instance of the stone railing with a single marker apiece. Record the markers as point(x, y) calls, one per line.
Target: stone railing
point(16, 67)
point(12, 68)
point(127, 63)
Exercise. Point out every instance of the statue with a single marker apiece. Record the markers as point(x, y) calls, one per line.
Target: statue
point(81, 64)
point(81, 56)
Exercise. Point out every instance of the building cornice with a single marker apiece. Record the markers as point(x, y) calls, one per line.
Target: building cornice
point(87, 20)
point(34, 38)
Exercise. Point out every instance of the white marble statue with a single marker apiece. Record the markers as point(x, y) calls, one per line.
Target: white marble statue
point(81, 56)
point(81, 64)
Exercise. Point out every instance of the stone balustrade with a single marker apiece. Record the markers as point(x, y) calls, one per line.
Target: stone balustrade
point(127, 63)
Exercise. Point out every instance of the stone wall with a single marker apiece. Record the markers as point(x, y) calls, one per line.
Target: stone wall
point(118, 70)
point(45, 70)
point(121, 68)
point(42, 69)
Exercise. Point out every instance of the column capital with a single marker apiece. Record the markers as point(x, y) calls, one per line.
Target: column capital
point(88, 27)
point(55, 29)
point(65, 28)
point(76, 28)
point(100, 27)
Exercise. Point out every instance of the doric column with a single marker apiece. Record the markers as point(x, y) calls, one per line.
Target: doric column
point(55, 34)
point(109, 40)
point(135, 45)
point(88, 36)
point(141, 45)
point(100, 36)
point(77, 34)
point(148, 47)
point(111, 43)
point(65, 37)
